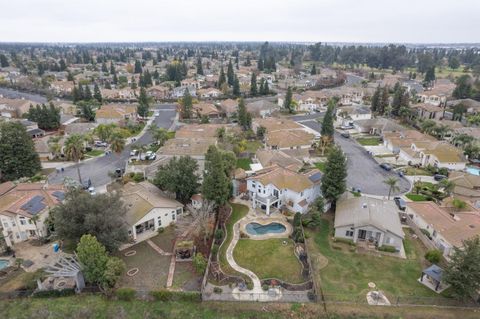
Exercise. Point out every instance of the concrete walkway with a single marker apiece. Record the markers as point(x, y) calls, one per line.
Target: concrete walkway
point(158, 249)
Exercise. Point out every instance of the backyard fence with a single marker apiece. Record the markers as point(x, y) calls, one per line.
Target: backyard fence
point(423, 238)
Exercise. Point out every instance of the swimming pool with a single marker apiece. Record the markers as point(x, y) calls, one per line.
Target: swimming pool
point(259, 229)
point(3, 263)
point(473, 170)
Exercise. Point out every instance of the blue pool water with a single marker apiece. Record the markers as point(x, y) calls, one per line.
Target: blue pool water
point(258, 229)
point(3, 263)
point(473, 170)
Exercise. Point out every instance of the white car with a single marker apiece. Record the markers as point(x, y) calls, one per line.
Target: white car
point(92, 191)
point(133, 153)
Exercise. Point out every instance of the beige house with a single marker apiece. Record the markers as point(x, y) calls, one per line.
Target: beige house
point(116, 113)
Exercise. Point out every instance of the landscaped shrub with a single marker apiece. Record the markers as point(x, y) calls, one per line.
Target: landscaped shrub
point(218, 235)
point(344, 241)
point(125, 294)
point(167, 295)
point(215, 250)
point(138, 177)
point(200, 263)
point(336, 247)
point(54, 293)
point(387, 248)
point(433, 256)
point(160, 230)
point(297, 219)
point(297, 235)
point(217, 290)
point(249, 285)
point(265, 287)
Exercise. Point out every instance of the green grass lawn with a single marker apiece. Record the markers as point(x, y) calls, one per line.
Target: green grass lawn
point(321, 166)
point(171, 135)
point(346, 272)
point(411, 171)
point(417, 197)
point(269, 259)
point(94, 153)
point(238, 212)
point(369, 141)
point(253, 146)
point(244, 163)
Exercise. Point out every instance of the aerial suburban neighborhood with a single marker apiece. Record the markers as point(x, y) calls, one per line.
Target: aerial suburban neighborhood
point(239, 179)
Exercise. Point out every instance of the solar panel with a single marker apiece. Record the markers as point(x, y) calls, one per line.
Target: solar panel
point(34, 205)
point(316, 177)
point(59, 195)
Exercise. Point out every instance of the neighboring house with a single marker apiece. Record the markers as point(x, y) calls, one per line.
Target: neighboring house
point(437, 95)
point(204, 130)
point(472, 106)
point(289, 139)
point(467, 187)
point(32, 128)
point(24, 209)
point(148, 209)
point(159, 92)
point(348, 114)
point(208, 93)
point(119, 94)
point(179, 92)
point(268, 158)
point(229, 107)
point(377, 126)
point(206, 110)
point(116, 114)
point(440, 154)
point(446, 227)
point(400, 143)
point(370, 220)
point(62, 87)
point(197, 201)
point(276, 187)
point(429, 111)
point(14, 108)
point(80, 128)
point(43, 149)
point(262, 108)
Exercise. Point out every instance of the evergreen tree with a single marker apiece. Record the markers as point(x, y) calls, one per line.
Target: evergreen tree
point(96, 93)
point(384, 101)
point(187, 105)
point(314, 70)
point(143, 104)
point(430, 75)
point(244, 118)
point(138, 67)
point(288, 102)
point(104, 68)
point(199, 66)
point(88, 93)
point(327, 123)
point(375, 102)
point(4, 61)
point(80, 92)
point(115, 79)
point(63, 65)
point(236, 87)
point(221, 79)
point(253, 84)
point(133, 83)
point(216, 184)
point(230, 73)
point(335, 175)
point(18, 157)
point(266, 89)
point(262, 86)
point(112, 69)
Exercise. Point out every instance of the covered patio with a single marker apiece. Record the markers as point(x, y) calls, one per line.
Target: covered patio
point(265, 202)
point(432, 278)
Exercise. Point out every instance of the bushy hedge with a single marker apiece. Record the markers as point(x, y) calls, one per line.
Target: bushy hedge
point(344, 240)
point(125, 294)
point(388, 249)
point(167, 295)
point(433, 256)
point(54, 293)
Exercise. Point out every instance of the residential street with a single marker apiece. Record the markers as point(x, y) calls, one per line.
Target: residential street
point(363, 172)
point(97, 169)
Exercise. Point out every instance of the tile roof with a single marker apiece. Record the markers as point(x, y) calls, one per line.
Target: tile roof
point(283, 178)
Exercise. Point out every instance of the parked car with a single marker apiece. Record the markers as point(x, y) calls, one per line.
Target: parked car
point(386, 166)
point(346, 127)
point(400, 203)
point(439, 177)
point(92, 191)
point(119, 172)
point(133, 153)
point(100, 144)
point(345, 134)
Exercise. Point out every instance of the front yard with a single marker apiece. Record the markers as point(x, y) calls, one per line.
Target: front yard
point(244, 163)
point(369, 141)
point(341, 271)
point(269, 258)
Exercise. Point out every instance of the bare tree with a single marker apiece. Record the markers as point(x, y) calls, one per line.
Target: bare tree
point(203, 216)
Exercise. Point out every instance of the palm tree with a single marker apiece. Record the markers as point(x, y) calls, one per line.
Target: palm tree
point(160, 136)
point(441, 131)
point(428, 126)
point(34, 220)
point(447, 186)
point(74, 148)
point(117, 143)
point(393, 187)
point(462, 140)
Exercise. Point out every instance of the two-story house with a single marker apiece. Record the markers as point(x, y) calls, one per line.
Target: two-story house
point(275, 187)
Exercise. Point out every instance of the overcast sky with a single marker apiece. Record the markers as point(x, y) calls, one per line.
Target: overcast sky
point(413, 21)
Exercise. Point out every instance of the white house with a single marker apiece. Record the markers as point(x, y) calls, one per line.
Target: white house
point(370, 220)
point(148, 209)
point(446, 227)
point(276, 187)
point(24, 209)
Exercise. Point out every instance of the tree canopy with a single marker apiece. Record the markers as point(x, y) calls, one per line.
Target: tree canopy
point(335, 175)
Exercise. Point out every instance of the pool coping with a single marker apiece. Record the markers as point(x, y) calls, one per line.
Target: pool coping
point(265, 221)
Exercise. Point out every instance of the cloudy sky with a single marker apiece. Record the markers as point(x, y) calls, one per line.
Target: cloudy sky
point(413, 21)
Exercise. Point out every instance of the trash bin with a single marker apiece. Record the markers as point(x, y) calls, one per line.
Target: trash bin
point(56, 247)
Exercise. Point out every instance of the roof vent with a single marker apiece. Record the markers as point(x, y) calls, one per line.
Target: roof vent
point(364, 205)
point(471, 226)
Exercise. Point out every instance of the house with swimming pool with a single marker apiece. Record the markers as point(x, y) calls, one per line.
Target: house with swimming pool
point(277, 187)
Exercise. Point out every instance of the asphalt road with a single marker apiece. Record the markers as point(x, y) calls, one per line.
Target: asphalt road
point(364, 173)
point(97, 169)
point(14, 94)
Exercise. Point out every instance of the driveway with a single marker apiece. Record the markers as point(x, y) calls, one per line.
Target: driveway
point(363, 172)
point(97, 169)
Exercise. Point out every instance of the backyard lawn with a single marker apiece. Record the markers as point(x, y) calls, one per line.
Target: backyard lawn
point(253, 146)
point(185, 277)
point(417, 197)
point(94, 153)
point(238, 212)
point(348, 273)
point(321, 166)
point(411, 171)
point(269, 259)
point(369, 141)
point(244, 163)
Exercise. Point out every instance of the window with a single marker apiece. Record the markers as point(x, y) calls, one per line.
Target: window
point(349, 233)
point(301, 194)
point(173, 215)
point(5, 224)
point(23, 221)
point(159, 220)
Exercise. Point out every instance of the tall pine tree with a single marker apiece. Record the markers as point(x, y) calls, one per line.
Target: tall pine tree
point(335, 175)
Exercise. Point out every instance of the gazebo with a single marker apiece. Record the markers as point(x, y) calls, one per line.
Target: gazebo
point(432, 278)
